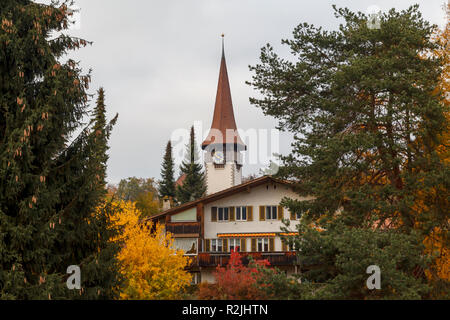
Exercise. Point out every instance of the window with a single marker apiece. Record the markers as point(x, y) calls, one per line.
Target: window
point(223, 214)
point(188, 245)
point(235, 244)
point(241, 213)
point(216, 245)
point(271, 212)
point(263, 244)
point(196, 278)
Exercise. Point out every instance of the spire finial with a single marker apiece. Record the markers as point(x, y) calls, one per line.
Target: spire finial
point(223, 44)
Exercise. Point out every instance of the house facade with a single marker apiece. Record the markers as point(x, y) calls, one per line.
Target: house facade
point(245, 217)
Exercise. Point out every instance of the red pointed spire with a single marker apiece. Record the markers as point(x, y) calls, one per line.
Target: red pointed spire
point(223, 128)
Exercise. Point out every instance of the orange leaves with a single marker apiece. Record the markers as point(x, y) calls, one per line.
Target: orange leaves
point(20, 102)
point(7, 26)
point(435, 245)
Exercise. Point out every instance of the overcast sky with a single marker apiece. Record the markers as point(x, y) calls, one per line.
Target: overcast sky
point(158, 61)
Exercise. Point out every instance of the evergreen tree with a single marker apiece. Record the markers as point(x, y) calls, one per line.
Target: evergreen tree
point(50, 187)
point(358, 101)
point(194, 186)
point(88, 218)
point(167, 185)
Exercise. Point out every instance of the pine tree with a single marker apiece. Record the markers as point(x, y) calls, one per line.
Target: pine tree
point(167, 184)
point(50, 183)
point(89, 215)
point(194, 185)
point(358, 100)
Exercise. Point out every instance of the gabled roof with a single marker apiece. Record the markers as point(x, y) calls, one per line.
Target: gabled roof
point(223, 128)
point(221, 194)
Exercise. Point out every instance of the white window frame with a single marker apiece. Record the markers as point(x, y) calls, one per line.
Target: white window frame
point(236, 243)
point(225, 211)
point(215, 245)
point(270, 212)
point(241, 210)
point(264, 243)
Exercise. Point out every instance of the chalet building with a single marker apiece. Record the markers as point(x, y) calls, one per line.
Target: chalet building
point(245, 217)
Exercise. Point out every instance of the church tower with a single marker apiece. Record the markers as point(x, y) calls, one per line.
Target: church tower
point(223, 145)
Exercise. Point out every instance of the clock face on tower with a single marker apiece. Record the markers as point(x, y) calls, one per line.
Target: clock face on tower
point(218, 157)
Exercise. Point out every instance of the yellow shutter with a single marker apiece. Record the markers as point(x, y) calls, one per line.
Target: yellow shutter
point(253, 245)
point(225, 245)
point(271, 244)
point(262, 213)
point(243, 245)
point(214, 214)
point(232, 216)
point(292, 216)
point(280, 213)
point(249, 213)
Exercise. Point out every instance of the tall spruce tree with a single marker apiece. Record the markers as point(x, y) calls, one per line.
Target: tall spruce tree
point(87, 224)
point(359, 101)
point(167, 184)
point(193, 186)
point(50, 183)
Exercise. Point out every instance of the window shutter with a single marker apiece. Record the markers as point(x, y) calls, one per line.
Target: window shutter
point(243, 245)
point(292, 215)
point(214, 214)
point(284, 246)
point(253, 245)
point(207, 245)
point(271, 244)
point(262, 213)
point(225, 245)
point(249, 213)
point(232, 216)
point(280, 213)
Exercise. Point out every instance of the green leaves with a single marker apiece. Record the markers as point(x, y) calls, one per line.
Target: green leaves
point(366, 120)
point(51, 178)
point(193, 186)
point(167, 185)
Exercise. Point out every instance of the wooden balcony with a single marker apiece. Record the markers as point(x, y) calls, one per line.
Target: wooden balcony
point(184, 228)
point(274, 258)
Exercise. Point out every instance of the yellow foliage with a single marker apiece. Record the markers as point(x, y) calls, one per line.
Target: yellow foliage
point(152, 267)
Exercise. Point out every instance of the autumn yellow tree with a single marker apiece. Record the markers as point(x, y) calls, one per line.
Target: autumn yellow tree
point(153, 269)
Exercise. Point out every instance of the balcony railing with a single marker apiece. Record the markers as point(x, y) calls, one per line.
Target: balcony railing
point(274, 258)
point(183, 227)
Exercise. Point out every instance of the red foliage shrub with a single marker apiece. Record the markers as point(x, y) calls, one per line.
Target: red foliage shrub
point(234, 282)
